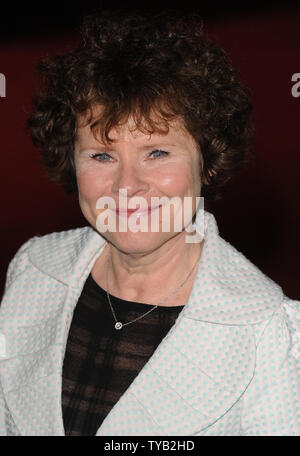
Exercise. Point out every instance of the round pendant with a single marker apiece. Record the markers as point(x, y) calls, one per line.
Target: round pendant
point(118, 325)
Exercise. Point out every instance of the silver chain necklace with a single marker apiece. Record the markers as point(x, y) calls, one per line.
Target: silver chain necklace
point(118, 324)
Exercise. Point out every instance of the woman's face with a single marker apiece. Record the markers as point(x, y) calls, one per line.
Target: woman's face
point(143, 165)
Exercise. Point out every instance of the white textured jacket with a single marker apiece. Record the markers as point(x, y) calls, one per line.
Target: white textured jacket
point(228, 366)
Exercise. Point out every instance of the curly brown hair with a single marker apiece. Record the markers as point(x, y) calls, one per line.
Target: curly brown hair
point(137, 63)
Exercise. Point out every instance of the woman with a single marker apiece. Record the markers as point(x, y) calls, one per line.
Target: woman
point(144, 332)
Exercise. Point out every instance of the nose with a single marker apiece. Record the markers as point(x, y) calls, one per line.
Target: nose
point(130, 176)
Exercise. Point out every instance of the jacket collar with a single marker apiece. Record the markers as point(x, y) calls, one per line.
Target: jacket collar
point(228, 288)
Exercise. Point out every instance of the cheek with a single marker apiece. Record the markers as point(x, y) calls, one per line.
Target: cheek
point(179, 179)
point(90, 184)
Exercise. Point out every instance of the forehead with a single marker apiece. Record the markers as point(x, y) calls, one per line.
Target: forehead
point(130, 131)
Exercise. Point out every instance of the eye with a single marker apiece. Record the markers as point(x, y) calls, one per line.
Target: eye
point(162, 153)
point(101, 156)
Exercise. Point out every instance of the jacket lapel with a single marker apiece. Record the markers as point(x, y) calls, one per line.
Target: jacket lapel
point(199, 370)
point(188, 383)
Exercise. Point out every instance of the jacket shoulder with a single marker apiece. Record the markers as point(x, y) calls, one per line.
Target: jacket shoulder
point(45, 248)
point(279, 335)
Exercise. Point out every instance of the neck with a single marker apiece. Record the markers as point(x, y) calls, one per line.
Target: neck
point(151, 277)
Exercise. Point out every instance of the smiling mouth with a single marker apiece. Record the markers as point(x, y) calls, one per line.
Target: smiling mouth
point(128, 212)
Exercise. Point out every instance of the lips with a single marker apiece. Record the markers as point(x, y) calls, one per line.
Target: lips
point(128, 212)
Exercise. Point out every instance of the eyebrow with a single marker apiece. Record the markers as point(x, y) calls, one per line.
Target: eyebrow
point(158, 145)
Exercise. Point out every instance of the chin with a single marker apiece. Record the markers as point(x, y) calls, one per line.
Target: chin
point(137, 242)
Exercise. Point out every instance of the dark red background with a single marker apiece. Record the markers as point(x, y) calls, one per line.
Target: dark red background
point(259, 213)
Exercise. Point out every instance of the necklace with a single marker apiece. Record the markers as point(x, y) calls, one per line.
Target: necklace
point(118, 324)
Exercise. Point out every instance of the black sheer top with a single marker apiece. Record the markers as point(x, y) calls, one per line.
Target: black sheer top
point(101, 362)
